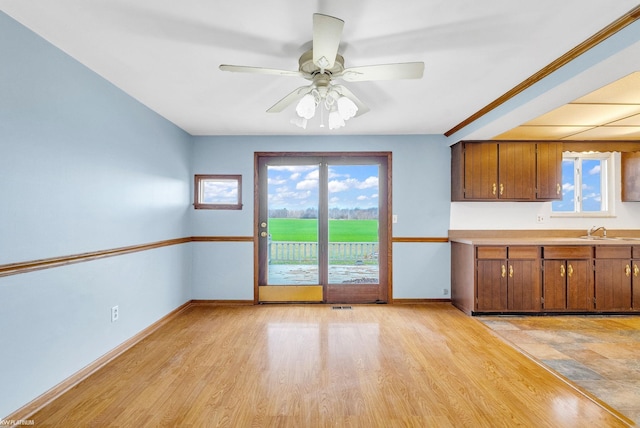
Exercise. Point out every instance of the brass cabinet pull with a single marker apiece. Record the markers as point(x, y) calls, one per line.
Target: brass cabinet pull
point(558, 188)
point(569, 270)
point(636, 271)
point(511, 271)
point(627, 270)
point(501, 189)
point(503, 271)
point(562, 270)
point(493, 189)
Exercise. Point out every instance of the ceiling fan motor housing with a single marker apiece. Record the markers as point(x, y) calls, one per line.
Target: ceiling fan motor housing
point(307, 66)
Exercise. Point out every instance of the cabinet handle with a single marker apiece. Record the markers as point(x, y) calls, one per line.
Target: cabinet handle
point(627, 270)
point(510, 271)
point(636, 271)
point(562, 270)
point(493, 189)
point(501, 189)
point(569, 270)
point(558, 188)
point(503, 271)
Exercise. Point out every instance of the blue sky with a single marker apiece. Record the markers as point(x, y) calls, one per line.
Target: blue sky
point(296, 186)
point(591, 183)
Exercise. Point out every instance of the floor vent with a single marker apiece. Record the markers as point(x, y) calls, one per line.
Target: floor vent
point(341, 307)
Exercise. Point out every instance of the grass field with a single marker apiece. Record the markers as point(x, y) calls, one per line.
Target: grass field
point(306, 230)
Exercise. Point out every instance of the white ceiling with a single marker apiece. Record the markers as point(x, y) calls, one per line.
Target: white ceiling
point(166, 54)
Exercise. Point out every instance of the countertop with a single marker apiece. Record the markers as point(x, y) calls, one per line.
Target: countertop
point(541, 241)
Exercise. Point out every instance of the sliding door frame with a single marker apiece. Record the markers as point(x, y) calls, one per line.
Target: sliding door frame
point(385, 235)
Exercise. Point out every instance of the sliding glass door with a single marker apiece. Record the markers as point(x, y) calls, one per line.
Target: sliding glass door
point(322, 227)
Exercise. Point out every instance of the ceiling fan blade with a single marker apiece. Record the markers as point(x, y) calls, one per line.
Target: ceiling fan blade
point(327, 32)
point(362, 108)
point(261, 70)
point(290, 99)
point(406, 70)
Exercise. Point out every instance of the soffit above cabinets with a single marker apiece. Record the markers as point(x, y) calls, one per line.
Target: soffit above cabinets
point(609, 113)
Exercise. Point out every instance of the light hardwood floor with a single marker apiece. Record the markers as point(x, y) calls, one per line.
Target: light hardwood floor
point(313, 366)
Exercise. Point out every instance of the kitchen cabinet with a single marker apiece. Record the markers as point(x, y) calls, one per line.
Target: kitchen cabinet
point(635, 280)
point(505, 171)
point(508, 278)
point(548, 171)
point(630, 171)
point(567, 283)
point(613, 278)
point(545, 277)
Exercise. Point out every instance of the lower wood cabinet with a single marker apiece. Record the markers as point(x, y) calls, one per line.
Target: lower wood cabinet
point(547, 279)
point(614, 278)
point(567, 278)
point(635, 280)
point(508, 278)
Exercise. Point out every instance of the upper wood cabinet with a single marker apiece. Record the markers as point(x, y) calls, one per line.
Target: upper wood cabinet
point(505, 171)
point(630, 176)
point(549, 171)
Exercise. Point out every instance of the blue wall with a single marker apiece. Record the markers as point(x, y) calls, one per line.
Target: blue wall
point(421, 200)
point(84, 168)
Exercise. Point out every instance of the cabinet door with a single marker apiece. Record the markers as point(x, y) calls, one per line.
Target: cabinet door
point(554, 285)
point(630, 163)
point(523, 285)
point(516, 170)
point(579, 285)
point(613, 284)
point(491, 285)
point(481, 171)
point(635, 284)
point(549, 171)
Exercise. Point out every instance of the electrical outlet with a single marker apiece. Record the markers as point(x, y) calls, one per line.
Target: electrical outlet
point(115, 313)
point(540, 218)
point(394, 218)
point(445, 291)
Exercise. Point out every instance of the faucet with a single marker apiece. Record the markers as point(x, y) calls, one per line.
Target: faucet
point(594, 229)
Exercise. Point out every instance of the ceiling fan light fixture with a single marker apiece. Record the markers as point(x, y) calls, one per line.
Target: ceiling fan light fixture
point(346, 108)
point(306, 108)
point(300, 122)
point(335, 119)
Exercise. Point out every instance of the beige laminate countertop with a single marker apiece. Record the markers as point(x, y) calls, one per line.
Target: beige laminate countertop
point(542, 241)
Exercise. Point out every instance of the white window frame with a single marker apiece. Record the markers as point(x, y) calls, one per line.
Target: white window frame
point(607, 185)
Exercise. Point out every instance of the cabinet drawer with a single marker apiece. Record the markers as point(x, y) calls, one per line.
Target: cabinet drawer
point(491, 252)
point(636, 252)
point(567, 252)
point(613, 252)
point(524, 252)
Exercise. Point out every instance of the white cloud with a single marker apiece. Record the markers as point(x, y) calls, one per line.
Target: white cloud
point(294, 176)
point(362, 198)
point(307, 184)
point(313, 175)
point(368, 183)
point(338, 186)
point(276, 181)
point(595, 170)
point(568, 187)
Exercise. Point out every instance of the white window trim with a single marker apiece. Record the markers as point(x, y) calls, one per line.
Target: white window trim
point(608, 188)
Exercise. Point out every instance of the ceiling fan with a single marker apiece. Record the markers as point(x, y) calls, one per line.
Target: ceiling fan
point(321, 65)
